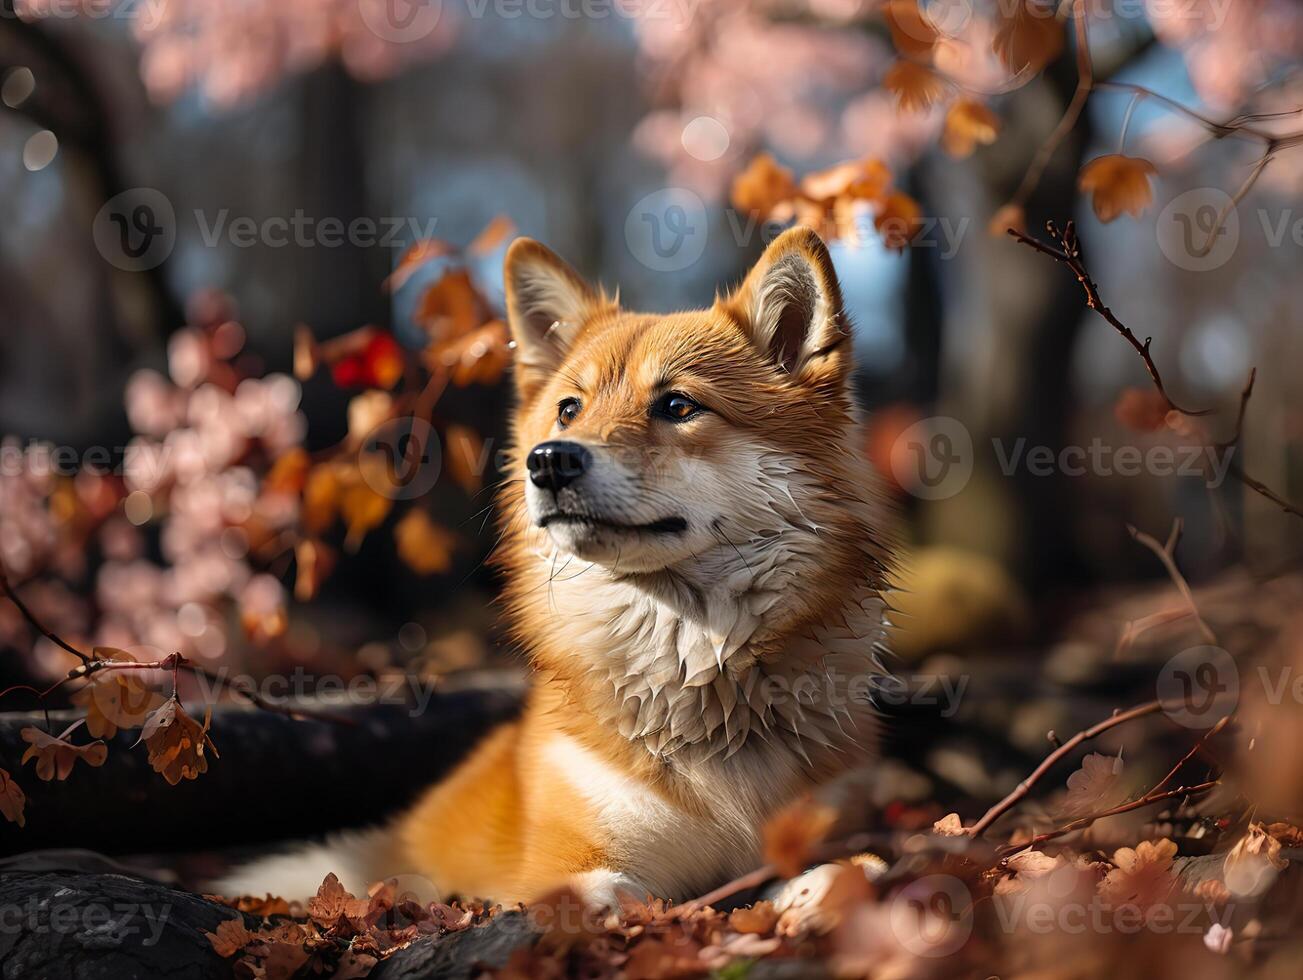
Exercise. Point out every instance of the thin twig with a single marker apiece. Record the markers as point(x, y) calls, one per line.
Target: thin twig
point(1233, 127)
point(1259, 487)
point(1156, 794)
point(1194, 750)
point(1167, 555)
point(1085, 735)
point(1085, 83)
point(175, 661)
point(1244, 405)
point(1081, 824)
point(36, 623)
point(1068, 253)
point(1136, 627)
point(752, 879)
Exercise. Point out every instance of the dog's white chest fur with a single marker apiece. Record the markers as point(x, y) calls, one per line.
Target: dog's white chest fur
point(660, 846)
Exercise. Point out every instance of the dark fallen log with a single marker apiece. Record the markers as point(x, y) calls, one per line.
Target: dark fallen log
point(74, 915)
point(277, 777)
point(461, 954)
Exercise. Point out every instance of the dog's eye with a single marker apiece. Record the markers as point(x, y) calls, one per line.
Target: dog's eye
point(567, 411)
point(676, 406)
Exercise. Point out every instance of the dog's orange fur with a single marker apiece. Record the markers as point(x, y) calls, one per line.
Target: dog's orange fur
point(667, 718)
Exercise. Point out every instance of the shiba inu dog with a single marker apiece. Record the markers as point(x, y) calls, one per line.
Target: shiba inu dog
point(695, 559)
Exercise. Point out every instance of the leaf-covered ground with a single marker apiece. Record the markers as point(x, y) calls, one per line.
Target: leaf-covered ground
point(1141, 836)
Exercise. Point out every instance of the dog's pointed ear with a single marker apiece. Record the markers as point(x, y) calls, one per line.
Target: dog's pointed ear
point(547, 302)
point(790, 304)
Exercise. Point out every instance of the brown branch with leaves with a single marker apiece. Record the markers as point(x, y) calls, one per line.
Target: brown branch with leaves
point(1065, 248)
point(1156, 794)
point(1020, 791)
point(1088, 84)
point(176, 743)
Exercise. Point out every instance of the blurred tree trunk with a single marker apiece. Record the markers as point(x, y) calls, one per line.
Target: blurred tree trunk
point(1006, 362)
point(338, 286)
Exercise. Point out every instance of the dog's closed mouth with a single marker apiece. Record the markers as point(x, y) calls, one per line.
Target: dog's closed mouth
point(666, 525)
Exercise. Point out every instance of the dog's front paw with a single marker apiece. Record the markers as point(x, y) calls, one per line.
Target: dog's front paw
point(607, 890)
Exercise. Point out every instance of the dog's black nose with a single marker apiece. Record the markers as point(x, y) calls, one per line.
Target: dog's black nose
point(553, 465)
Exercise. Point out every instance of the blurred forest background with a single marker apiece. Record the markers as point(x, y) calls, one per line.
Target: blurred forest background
point(587, 126)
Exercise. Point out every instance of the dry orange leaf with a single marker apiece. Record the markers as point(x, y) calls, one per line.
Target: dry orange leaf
point(176, 742)
point(916, 88)
point(289, 473)
point(313, 562)
point(1142, 409)
point(231, 937)
point(361, 508)
point(1143, 876)
point(367, 412)
point(866, 179)
point(816, 215)
point(115, 699)
point(12, 799)
point(334, 902)
point(912, 32)
point(968, 123)
point(306, 354)
point(758, 919)
point(762, 186)
point(450, 308)
point(1097, 785)
point(898, 220)
point(1118, 184)
point(425, 546)
point(55, 756)
point(492, 235)
point(949, 826)
point(1251, 865)
point(1006, 217)
point(1029, 37)
point(265, 907)
point(791, 834)
point(321, 492)
point(415, 257)
point(480, 357)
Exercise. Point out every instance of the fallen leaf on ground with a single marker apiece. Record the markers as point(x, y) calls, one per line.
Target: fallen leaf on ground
point(791, 834)
point(1143, 875)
